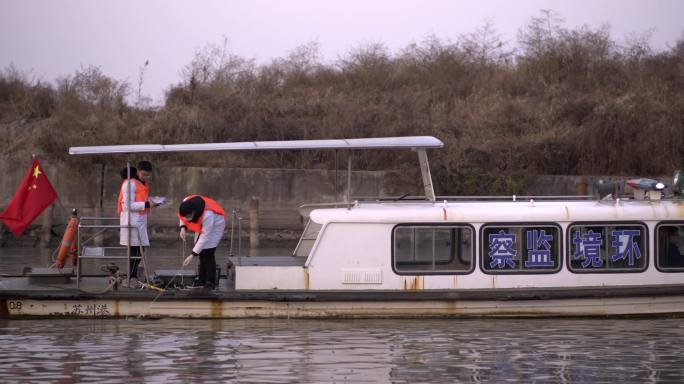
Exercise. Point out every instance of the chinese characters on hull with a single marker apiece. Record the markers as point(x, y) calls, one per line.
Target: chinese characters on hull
point(588, 248)
point(625, 247)
point(537, 250)
point(621, 247)
point(501, 249)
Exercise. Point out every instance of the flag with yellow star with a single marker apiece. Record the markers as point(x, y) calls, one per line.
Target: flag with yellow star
point(32, 197)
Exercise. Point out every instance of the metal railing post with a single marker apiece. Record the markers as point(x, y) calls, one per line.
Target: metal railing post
point(78, 252)
point(349, 168)
point(128, 214)
point(232, 231)
point(239, 236)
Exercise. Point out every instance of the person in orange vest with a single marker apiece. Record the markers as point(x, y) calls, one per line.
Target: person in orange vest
point(207, 219)
point(140, 207)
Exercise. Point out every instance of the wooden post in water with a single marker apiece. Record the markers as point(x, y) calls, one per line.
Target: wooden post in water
point(581, 187)
point(2, 234)
point(99, 239)
point(46, 230)
point(253, 225)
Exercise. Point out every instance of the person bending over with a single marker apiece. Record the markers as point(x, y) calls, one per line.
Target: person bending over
point(207, 219)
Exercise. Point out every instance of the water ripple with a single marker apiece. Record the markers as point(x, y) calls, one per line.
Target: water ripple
point(313, 351)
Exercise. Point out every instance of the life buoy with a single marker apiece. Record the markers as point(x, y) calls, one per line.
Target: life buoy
point(68, 246)
point(73, 253)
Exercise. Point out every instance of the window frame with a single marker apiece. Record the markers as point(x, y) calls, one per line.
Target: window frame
point(435, 225)
point(568, 248)
point(523, 271)
point(656, 245)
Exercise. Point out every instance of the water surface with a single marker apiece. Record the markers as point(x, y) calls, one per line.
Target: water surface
point(315, 351)
point(320, 351)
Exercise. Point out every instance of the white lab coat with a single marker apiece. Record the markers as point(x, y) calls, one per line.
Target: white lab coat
point(138, 221)
point(213, 226)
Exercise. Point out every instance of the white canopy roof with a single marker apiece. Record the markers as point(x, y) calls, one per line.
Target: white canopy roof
point(368, 143)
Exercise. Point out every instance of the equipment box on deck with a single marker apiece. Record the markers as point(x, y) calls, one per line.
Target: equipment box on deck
point(180, 277)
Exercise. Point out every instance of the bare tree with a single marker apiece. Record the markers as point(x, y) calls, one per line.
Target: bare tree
point(142, 101)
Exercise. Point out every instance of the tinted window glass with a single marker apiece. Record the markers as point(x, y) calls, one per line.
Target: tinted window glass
point(605, 248)
point(529, 248)
point(670, 240)
point(438, 249)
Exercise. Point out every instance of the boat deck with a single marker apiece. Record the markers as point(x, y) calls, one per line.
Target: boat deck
point(270, 261)
point(92, 287)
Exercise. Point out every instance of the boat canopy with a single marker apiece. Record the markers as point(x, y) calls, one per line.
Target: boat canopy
point(417, 143)
point(413, 142)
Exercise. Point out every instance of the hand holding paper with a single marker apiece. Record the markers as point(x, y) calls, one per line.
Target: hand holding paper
point(158, 200)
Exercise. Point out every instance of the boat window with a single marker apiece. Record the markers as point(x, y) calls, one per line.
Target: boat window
point(426, 249)
point(607, 247)
point(670, 247)
point(531, 248)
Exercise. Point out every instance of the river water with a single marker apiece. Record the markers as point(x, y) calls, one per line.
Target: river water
point(333, 351)
point(339, 351)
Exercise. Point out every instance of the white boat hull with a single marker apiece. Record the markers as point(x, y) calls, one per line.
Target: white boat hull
point(394, 308)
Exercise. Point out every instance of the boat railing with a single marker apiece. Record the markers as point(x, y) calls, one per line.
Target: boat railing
point(306, 209)
point(307, 240)
point(422, 199)
point(235, 225)
point(511, 198)
point(88, 249)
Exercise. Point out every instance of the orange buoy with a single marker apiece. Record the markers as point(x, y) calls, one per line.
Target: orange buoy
point(68, 246)
point(73, 253)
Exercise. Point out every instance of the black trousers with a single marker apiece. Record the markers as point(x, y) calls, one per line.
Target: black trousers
point(207, 268)
point(135, 251)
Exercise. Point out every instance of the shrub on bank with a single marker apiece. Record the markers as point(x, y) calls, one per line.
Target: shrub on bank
point(564, 102)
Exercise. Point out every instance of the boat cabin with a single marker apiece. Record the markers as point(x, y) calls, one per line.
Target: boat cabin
point(481, 244)
point(457, 243)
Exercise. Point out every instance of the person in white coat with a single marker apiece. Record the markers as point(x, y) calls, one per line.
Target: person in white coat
point(140, 206)
point(207, 219)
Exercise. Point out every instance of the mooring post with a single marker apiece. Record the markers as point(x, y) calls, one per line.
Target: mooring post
point(99, 239)
point(46, 230)
point(2, 234)
point(581, 187)
point(253, 225)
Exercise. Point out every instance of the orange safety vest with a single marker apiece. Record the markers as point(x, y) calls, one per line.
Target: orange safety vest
point(142, 191)
point(209, 204)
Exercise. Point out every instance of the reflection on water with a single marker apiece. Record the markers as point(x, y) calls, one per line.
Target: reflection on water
point(311, 351)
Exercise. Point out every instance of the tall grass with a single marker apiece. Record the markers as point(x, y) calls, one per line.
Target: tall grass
point(564, 101)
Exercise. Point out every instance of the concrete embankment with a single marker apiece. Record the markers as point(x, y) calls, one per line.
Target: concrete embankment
point(277, 194)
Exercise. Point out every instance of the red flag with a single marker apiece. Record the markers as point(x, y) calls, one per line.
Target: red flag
point(34, 195)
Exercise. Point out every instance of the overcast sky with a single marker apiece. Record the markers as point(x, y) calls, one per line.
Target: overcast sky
point(46, 39)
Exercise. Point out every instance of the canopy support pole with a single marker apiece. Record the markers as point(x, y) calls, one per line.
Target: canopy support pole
point(425, 174)
point(349, 169)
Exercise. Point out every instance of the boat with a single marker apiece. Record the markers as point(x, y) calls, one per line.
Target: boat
point(608, 254)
